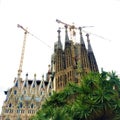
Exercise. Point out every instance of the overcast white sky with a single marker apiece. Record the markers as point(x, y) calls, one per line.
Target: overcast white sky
point(39, 16)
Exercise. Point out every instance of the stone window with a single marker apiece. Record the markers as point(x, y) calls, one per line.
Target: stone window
point(10, 105)
point(50, 93)
point(24, 92)
point(15, 92)
point(33, 85)
point(40, 92)
point(6, 111)
point(16, 85)
point(21, 105)
point(32, 106)
point(18, 111)
point(42, 86)
point(25, 85)
point(22, 111)
point(7, 119)
point(43, 92)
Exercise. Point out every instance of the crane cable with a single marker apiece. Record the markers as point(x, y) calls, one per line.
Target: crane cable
point(40, 40)
point(97, 35)
point(19, 26)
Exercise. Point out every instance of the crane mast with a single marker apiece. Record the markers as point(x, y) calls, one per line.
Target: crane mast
point(23, 49)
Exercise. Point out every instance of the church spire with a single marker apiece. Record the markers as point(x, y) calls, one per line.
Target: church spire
point(66, 36)
point(59, 40)
point(91, 57)
point(83, 56)
point(81, 37)
point(89, 45)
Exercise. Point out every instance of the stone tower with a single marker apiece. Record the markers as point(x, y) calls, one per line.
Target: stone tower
point(72, 62)
point(92, 60)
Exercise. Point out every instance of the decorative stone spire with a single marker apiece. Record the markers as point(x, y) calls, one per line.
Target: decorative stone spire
point(25, 84)
point(89, 45)
point(26, 79)
point(53, 63)
point(49, 69)
point(34, 82)
point(16, 82)
point(59, 40)
point(66, 35)
point(49, 87)
point(26, 76)
point(42, 77)
point(53, 68)
point(81, 37)
point(35, 76)
point(42, 84)
point(91, 57)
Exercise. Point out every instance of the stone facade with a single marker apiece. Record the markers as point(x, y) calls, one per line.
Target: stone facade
point(25, 98)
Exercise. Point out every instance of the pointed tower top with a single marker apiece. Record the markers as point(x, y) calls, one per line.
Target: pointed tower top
point(49, 69)
point(81, 37)
point(59, 39)
point(42, 77)
point(26, 74)
point(35, 76)
point(66, 34)
point(80, 28)
point(89, 45)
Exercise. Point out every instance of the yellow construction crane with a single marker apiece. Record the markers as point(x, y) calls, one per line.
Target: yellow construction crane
point(72, 28)
point(23, 49)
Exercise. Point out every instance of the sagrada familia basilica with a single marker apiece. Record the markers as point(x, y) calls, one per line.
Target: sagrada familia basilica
point(68, 64)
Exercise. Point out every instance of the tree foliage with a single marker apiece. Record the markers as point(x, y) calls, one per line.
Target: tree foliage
point(97, 97)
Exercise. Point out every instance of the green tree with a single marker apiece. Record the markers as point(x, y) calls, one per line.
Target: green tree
point(96, 98)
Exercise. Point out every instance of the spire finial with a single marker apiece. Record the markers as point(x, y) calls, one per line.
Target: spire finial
point(49, 70)
point(35, 75)
point(26, 74)
point(59, 34)
point(87, 37)
point(81, 37)
point(80, 28)
point(42, 77)
point(59, 40)
point(59, 31)
point(89, 45)
point(66, 35)
point(66, 27)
